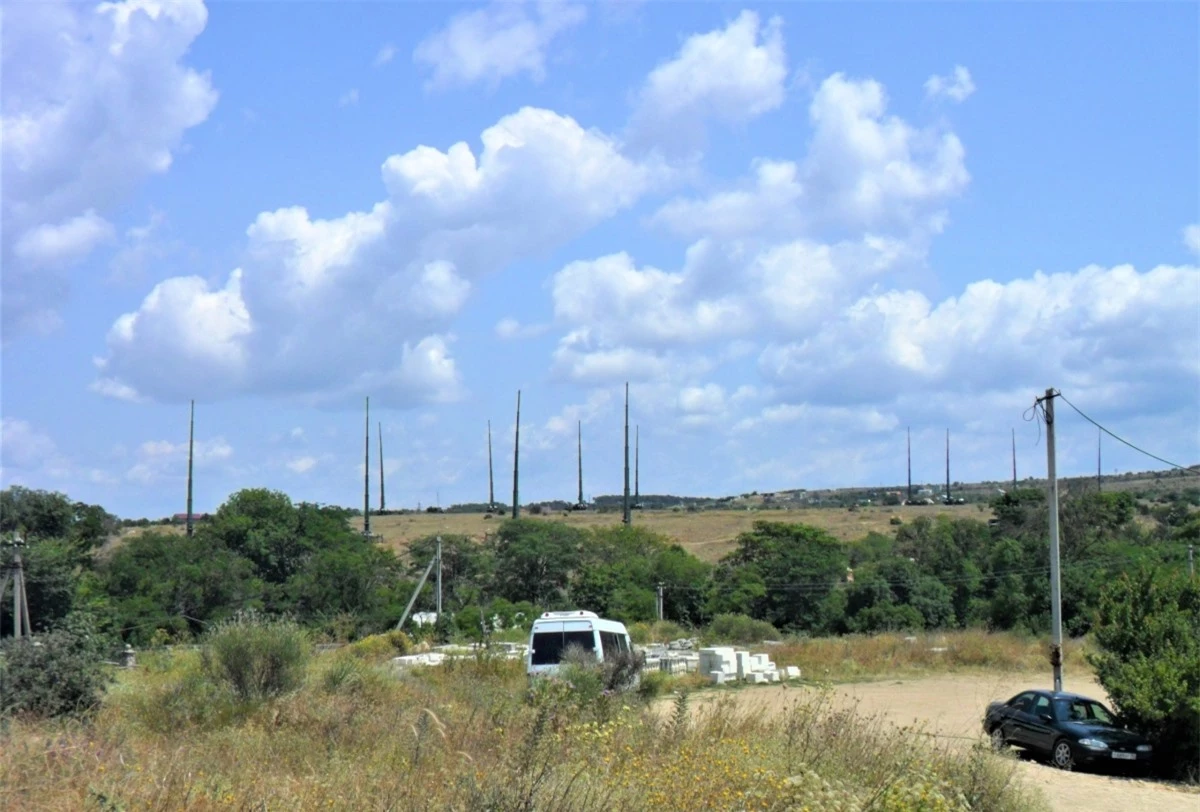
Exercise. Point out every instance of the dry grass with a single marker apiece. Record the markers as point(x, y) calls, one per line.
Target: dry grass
point(708, 534)
point(857, 657)
point(471, 736)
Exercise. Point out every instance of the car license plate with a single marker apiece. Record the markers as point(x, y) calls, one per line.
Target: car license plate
point(1125, 756)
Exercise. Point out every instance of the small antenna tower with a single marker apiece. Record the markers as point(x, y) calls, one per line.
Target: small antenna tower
point(947, 466)
point(516, 506)
point(367, 473)
point(1099, 479)
point(491, 480)
point(626, 517)
point(579, 425)
point(382, 503)
point(637, 448)
point(1014, 455)
point(908, 435)
point(191, 449)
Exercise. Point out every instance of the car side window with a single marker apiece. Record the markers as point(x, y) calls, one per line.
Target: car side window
point(1041, 706)
point(1021, 703)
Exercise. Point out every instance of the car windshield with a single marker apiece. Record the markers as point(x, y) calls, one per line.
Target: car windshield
point(1086, 711)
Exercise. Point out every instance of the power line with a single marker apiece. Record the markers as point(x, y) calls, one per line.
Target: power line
point(1120, 439)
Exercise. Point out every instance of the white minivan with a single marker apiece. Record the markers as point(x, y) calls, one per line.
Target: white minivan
point(553, 632)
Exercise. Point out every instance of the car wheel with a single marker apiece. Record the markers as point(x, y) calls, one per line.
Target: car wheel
point(1062, 756)
point(999, 741)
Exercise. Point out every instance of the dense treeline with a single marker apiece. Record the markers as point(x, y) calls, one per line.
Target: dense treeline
point(261, 551)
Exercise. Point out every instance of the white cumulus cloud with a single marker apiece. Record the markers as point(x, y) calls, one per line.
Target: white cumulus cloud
point(1191, 238)
point(956, 87)
point(96, 99)
point(319, 305)
point(729, 75)
point(495, 43)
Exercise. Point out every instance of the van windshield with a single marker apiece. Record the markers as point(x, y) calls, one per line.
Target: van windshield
point(548, 647)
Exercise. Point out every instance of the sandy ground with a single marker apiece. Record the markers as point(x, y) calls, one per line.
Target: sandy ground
point(952, 707)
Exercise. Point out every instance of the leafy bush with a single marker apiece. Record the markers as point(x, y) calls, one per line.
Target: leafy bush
point(740, 629)
point(380, 647)
point(1148, 635)
point(256, 657)
point(57, 674)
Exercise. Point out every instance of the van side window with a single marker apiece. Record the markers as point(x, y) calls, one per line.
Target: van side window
point(611, 643)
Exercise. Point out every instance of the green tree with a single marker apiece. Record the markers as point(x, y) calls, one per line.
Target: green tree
point(1148, 660)
point(795, 567)
point(534, 560)
point(37, 514)
point(176, 583)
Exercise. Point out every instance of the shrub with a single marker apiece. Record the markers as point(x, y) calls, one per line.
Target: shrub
point(741, 629)
point(256, 657)
point(55, 674)
point(379, 647)
point(1148, 635)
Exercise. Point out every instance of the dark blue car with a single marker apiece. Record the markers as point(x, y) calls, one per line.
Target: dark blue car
point(1067, 729)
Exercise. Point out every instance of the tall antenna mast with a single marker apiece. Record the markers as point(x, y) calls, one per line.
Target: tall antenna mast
point(947, 465)
point(491, 481)
point(580, 442)
point(908, 435)
point(1099, 482)
point(367, 473)
point(382, 503)
point(626, 518)
point(191, 448)
point(1014, 446)
point(637, 447)
point(516, 507)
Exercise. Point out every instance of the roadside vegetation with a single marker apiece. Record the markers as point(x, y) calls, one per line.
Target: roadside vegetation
point(839, 610)
point(190, 730)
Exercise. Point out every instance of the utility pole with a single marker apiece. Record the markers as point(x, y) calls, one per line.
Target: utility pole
point(16, 574)
point(660, 600)
point(191, 449)
point(908, 436)
point(491, 480)
point(947, 466)
point(1099, 479)
point(579, 426)
point(516, 507)
point(382, 503)
point(626, 518)
point(439, 577)
point(1055, 583)
point(367, 473)
point(1014, 450)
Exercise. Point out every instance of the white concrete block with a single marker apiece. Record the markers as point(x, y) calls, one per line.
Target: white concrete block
point(792, 672)
point(717, 658)
point(717, 677)
point(758, 678)
point(744, 664)
point(758, 662)
point(773, 675)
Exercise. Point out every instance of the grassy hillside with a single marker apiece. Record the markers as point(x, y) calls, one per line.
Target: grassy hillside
point(706, 534)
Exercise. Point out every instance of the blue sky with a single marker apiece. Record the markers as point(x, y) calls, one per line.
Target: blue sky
point(794, 229)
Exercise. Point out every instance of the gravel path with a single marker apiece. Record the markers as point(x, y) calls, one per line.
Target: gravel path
point(952, 707)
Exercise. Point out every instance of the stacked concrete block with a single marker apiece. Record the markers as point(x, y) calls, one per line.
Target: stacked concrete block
point(717, 658)
point(744, 664)
point(792, 672)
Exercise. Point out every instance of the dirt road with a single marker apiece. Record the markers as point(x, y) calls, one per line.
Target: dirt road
point(952, 706)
